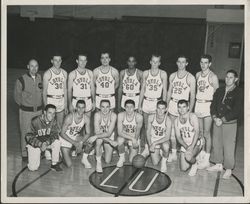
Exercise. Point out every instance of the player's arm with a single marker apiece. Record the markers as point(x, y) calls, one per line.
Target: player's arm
point(46, 78)
point(215, 82)
point(139, 120)
point(18, 92)
point(149, 127)
point(170, 89)
point(194, 121)
point(65, 92)
point(92, 89)
point(165, 85)
point(54, 134)
point(192, 91)
point(87, 128)
point(120, 90)
point(116, 77)
point(178, 134)
point(66, 123)
point(143, 89)
point(70, 90)
point(31, 136)
point(121, 133)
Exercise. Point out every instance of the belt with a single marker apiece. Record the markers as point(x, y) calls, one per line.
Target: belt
point(175, 100)
point(131, 94)
point(203, 101)
point(81, 98)
point(152, 99)
point(55, 96)
point(105, 95)
point(30, 109)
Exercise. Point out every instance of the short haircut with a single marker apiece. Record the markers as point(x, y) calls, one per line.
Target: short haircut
point(183, 101)
point(33, 59)
point(129, 101)
point(133, 57)
point(80, 102)
point(233, 72)
point(56, 54)
point(161, 102)
point(105, 52)
point(104, 101)
point(82, 54)
point(49, 106)
point(207, 56)
point(156, 55)
point(183, 56)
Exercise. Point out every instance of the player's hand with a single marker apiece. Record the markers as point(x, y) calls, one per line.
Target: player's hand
point(92, 139)
point(218, 122)
point(66, 111)
point(135, 143)
point(78, 146)
point(44, 146)
point(152, 147)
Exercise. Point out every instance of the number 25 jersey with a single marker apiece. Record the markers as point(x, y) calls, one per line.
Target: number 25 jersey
point(181, 89)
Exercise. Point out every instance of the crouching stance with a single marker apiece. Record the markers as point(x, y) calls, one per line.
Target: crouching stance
point(73, 134)
point(43, 135)
point(187, 131)
point(104, 134)
point(129, 127)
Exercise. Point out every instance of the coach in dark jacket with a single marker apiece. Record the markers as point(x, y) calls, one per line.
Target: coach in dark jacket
point(225, 111)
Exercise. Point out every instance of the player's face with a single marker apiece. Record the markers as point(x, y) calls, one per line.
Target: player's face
point(105, 108)
point(33, 67)
point(56, 61)
point(105, 59)
point(161, 110)
point(131, 63)
point(230, 79)
point(129, 108)
point(82, 61)
point(181, 63)
point(205, 64)
point(50, 114)
point(155, 62)
point(80, 108)
point(183, 108)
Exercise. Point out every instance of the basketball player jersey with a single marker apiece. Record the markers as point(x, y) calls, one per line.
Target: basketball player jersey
point(56, 83)
point(158, 130)
point(130, 84)
point(104, 126)
point(186, 131)
point(74, 129)
point(154, 85)
point(105, 83)
point(81, 84)
point(205, 90)
point(181, 89)
point(129, 126)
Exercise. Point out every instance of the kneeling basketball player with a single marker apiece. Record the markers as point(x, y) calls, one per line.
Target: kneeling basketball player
point(129, 127)
point(187, 134)
point(158, 135)
point(72, 134)
point(104, 122)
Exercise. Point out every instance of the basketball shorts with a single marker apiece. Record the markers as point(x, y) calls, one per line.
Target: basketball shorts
point(58, 102)
point(149, 105)
point(65, 143)
point(153, 139)
point(109, 97)
point(127, 97)
point(200, 143)
point(202, 109)
point(172, 108)
point(87, 100)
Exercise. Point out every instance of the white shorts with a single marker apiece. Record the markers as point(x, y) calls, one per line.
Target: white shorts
point(103, 97)
point(149, 105)
point(172, 108)
point(88, 103)
point(58, 102)
point(65, 143)
point(199, 143)
point(202, 110)
point(129, 142)
point(153, 139)
point(127, 97)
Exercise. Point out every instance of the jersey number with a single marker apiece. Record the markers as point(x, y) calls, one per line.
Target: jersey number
point(58, 85)
point(130, 87)
point(185, 134)
point(158, 133)
point(105, 84)
point(177, 90)
point(83, 86)
point(152, 87)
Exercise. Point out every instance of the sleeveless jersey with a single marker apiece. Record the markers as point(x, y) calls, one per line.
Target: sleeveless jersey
point(154, 85)
point(81, 84)
point(130, 84)
point(104, 126)
point(181, 89)
point(105, 83)
point(56, 83)
point(75, 128)
point(186, 131)
point(205, 90)
point(158, 130)
point(129, 126)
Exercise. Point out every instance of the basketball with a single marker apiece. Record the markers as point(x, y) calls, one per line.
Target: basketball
point(138, 161)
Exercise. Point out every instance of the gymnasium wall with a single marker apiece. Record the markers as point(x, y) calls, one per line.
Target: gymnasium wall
point(137, 36)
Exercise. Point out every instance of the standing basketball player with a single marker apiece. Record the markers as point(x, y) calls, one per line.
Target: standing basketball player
point(158, 135)
point(28, 95)
point(207, 83)
point(130, 84)
point(129, 127)
point(71, 134)
point(154, 88)
point(105, 121)
point(187, 133)
point(106, 80)
point(81, 86)
point(182, 86)
point(44, 134)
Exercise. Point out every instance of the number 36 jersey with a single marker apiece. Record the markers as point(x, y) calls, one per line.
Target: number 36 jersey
point(105, 82)
point(56, 83)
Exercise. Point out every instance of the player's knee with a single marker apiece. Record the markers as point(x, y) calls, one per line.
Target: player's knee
point(120, 141)
point(155, 162)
